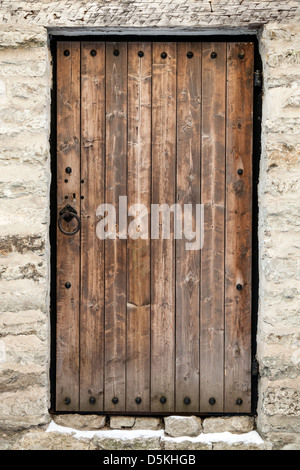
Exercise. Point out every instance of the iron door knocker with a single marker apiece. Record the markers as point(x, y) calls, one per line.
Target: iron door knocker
point(67, 214)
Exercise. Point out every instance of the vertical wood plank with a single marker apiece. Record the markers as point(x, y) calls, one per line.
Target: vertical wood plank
point(115, 250)
point(68, 247)
point(163, 250)
point(111, 352)
point(238, 227)
point(92, 248)
point(138, 250)
point(188, 192)
point(213, 199)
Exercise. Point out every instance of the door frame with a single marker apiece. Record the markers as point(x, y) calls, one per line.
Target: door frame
point(257, 117)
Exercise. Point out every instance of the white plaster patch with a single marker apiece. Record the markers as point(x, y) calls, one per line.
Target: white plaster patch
point(114, 433)
point(251, 437)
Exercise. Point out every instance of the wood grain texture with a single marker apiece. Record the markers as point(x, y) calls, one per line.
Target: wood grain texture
point(238, 227)
point(68, 247)
point(163, 250)
point(92, 248)
point(213, 199)
point(115, 250)
point(147, 318)
point(188, 192)
point(138, 249)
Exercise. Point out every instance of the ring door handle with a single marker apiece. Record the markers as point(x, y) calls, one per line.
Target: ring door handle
point(67, 214)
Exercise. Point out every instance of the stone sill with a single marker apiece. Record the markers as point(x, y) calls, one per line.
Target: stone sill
point(98, 432)
point(57, 436)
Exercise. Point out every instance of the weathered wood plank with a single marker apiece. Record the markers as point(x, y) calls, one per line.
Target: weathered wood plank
point(92, 248)
point(163, 250)
point(115, 249)
point(138, 249)
point(213, 199)
point(238, 227)
point(188, 192)
point(68, 247)
point(142, 316)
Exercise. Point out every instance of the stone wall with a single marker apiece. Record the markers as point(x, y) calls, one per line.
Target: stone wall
point(92, 432)
point(25, 86)
point(149, 13)
point(279, 237)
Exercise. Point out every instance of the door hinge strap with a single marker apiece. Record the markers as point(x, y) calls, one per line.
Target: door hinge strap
point(255, 368)
point(258, 76)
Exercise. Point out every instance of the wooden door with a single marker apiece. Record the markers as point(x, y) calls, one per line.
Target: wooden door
point(145, 325)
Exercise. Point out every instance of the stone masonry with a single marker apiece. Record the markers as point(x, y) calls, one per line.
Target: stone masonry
point(279, 237)
point(25, 84)
point(149, 14)
point(25, 176)
point(78, 432)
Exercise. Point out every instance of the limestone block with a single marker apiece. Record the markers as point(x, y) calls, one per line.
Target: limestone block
point(282, 439)
point(25, 349)
point(31, 270)
point(280, 78)
point(27, 266)
point(275, 32)
point(241, 446)
point(52, 441)
point(23, 294)
point(143, 442)
point(23, 180)
point(291, 447)
point(16, 120)
point(185, 444)
point(16, 152)
point(279, 366)
point(9, 439)
point(287, 315)
point(293, 101)
point(176, 426)
point(14, 377)
point(24, 408)
point(280, 243)
point(281, 269)
point(282, 101)
point(233, 424)
point(147, 423)
point(280, 423)
point(284, 58)
point(283, 187)
point(287, 215)
point(27, 212)
point(22, 68)
point(164, 13)
point(120, 422)
point(14, 37)
point(281, 401)
point(285, 126)
point(33, 90)
point(80, 422)
point(22, 244)
point(285, 337)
